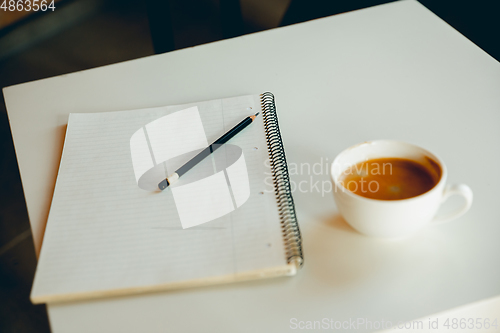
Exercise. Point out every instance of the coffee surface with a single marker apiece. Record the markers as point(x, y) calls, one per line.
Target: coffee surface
point(390, 178)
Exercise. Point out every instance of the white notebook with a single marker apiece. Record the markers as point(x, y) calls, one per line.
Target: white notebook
point(111, 232)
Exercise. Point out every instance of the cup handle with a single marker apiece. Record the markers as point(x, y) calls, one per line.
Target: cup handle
point(456, 189)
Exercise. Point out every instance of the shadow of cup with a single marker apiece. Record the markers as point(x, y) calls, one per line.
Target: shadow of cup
point(339, 256)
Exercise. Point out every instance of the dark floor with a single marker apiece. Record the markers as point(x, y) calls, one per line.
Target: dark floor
point(114, 31)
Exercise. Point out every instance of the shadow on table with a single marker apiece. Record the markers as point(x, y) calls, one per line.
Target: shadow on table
point(352, 258)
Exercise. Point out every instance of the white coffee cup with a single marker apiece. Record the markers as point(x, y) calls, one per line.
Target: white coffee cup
point(394, 218)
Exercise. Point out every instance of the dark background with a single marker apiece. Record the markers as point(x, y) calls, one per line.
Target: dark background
point(82, 34)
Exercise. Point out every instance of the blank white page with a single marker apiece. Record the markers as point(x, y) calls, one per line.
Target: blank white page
point(105, 233)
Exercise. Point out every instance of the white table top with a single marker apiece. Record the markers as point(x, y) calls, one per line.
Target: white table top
point(394, 71)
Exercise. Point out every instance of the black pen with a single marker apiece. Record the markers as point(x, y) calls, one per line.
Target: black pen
point(206, 152)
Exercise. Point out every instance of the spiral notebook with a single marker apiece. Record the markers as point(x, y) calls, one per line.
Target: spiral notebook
point(111, 232)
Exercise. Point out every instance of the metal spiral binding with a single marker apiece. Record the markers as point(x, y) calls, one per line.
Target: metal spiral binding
point(281, 180)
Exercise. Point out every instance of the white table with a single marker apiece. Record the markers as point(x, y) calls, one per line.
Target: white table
point(393, 71)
